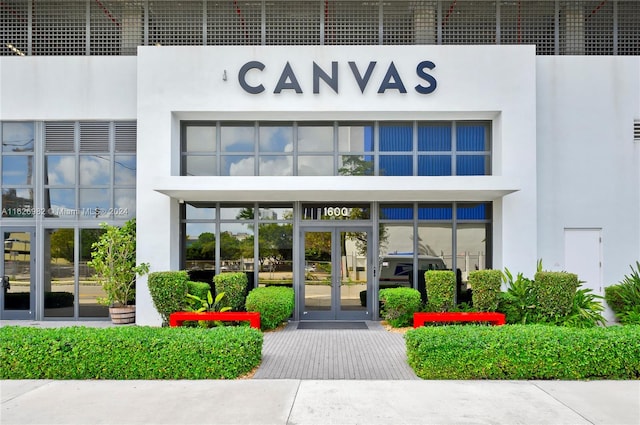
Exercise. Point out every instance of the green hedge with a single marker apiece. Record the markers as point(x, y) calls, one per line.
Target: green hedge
point(168, 292)
point(553, 293)
point(486, 289)
point(128, 353)
point(624, 298)
point(234, 286)
point(198, 289)
point(524, 352)
point(399, 304)
point(275, 305)
point(441, 289)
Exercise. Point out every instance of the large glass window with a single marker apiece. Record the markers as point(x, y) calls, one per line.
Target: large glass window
point(338, 148)
point(59, 274)
point(17, 169)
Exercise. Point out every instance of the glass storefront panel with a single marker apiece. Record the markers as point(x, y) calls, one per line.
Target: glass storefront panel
point(237, 212)
point(90, 291)
point(201, 138)
point(17, 136)
point(315, 138)
point(396, 137)
point(17, 170)
point(274, 138)
point(125, 170)
point(396, 165)
point(355, 137)
point(204, 165)
point(317, 271)
point(238, 165)
point(124, 204)
point(275, 212)
point(237, 137)
point(353, 276)
point(60, 170)
point(17, 278)
point(200, 212)
point(95, 170)
point(434, 165)
point(434, 137)
point(472, 250)
point(59, 275)
point(318, 165)
point(472, 165)
point(60, 203)
point(236, 247)
point(275, 248)
point(354, 165)
point(94, 204)
point(17, 202)
point(435, 240)
point(279, 165)
point(200, 246)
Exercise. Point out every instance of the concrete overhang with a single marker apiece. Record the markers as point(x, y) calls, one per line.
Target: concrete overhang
point(334, 188)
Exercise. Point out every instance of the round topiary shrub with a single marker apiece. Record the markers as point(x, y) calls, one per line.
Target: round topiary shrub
point(399, 304)
point(275, 305)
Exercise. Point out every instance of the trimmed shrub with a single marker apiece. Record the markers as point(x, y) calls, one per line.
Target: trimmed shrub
point(399, 304)
point(275, 305)
point(234, 286)
point(168, 292)
point(553, 293)
point(624, 298)
point(441, 289)
point(524, 352)
point(130, 352)
point(198, 289)
point(486, 289)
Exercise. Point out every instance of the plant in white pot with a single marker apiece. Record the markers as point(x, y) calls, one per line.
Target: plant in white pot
point(113, 257)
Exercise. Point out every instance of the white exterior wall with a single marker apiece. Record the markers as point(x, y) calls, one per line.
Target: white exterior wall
point(474, 82)
point(588, 163)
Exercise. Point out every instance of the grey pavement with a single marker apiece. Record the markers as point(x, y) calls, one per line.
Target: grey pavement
point(323, 377)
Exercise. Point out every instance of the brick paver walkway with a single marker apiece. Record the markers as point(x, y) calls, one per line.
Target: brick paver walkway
point(372, 353)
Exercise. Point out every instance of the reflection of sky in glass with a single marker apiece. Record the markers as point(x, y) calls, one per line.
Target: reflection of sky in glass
point(236, 165)
point(61, 201)
point(94, 170)
point(17, 169)
point(234, 213)
point(17, 137)
point(399, 239)
point(236, 229)
point(201, 166)
point(90, 199)
point(435, 240)
point(237, 139)
point(315, 166)
point(61, 170)
point(276, 213)
point(276, 139)
point(195, 213)
point(125, 170)
point(194, 230)
point(125, 203)
point(201, 139)
point(315, 139)
point(276, 166)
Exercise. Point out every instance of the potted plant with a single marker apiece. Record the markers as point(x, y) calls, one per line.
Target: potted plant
point(113, 257)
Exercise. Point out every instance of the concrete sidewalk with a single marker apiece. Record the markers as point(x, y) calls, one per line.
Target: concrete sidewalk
point(320, 402)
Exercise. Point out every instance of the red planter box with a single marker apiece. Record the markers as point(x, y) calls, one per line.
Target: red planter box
point(419, 319)
point(176, 319)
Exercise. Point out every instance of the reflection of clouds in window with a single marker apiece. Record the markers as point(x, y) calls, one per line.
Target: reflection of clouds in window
point(201, 139)
point(125, 170)
point(61, 170)
point(17, 137)
point(94, 170)
point(276, 139)
point(195, 213)
point(92, 198)
point(125, 203)
point(276, 166)
point(61, 200)
point(315, 139)
point(17, 169)
point(237, 139)
point(315, 165)
point(239, 165)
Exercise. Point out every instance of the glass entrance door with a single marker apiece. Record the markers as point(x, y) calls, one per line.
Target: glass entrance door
point(17, 269)
point(337, 274)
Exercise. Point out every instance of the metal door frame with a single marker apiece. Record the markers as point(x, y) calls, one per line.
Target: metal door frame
point(20, 314)
point(335, 313)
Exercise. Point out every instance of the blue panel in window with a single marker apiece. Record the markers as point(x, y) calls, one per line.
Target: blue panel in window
point(431, 138)
point(396, 138)
point(471, 165)
point(471, 138)
point(435, 212)
point(434, 165)
point(396, 213)
point(368, 139)
point(396, 165)
point(473, 212)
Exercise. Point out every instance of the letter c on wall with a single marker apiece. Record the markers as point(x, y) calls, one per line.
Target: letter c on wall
point(243, 73)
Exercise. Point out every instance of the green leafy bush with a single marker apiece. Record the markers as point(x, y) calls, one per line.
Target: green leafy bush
point(586, 310)
point(553, 293)
point(275, 305)
point(524, 352)
point(131, 352)
point(199, 290)
point(399, 304)
point(234, 285)
point(624, 298)
point(518, 302)
point(168, 292)
point(441, 289)
point(486, 289)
